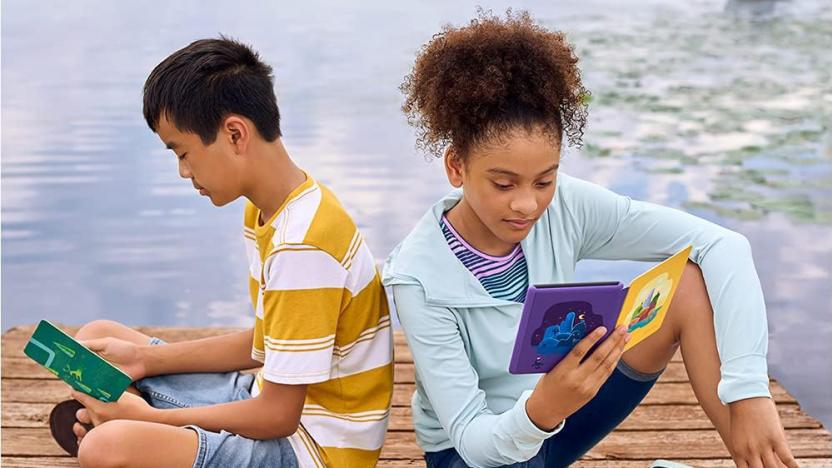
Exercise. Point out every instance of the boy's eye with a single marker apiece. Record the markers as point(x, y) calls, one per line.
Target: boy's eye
point(182, 157)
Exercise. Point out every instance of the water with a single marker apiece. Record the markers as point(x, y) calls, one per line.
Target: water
point(720, 108)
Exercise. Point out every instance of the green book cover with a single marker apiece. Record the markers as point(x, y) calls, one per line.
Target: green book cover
point(75, 364)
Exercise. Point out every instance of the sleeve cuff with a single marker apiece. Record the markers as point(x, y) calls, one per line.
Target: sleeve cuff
point(526, 431)
point(744, 377)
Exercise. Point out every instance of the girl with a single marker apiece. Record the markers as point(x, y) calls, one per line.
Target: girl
point(497, 97)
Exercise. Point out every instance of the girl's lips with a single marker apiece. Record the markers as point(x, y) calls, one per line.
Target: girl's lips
point(519, 224)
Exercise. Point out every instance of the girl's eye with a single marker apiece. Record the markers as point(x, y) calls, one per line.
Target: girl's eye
point(502, 186)
point(544, 184)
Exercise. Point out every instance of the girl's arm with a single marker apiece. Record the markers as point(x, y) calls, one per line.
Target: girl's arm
point(481, 437)
point(614, 227)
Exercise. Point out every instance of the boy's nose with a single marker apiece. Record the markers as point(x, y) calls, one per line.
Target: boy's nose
point(184, 172)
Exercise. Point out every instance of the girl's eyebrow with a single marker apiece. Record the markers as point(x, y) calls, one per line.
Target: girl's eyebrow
point(497, 170)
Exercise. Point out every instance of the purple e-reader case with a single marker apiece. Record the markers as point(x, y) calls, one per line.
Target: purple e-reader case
point(557, 316)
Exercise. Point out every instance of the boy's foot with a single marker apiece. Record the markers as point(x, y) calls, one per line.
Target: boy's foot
point(61, 420)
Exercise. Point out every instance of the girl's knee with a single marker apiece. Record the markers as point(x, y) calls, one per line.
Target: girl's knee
point(100, 447)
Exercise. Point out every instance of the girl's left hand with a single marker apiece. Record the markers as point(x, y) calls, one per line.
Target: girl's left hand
point(757, 436)
point(128, 406)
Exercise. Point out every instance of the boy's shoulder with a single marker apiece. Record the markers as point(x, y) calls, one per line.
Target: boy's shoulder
point(313, 218)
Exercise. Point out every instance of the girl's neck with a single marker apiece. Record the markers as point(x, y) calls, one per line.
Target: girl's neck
point(471, 228)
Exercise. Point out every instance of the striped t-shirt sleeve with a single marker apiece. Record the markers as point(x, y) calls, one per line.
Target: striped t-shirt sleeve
point(304, 290)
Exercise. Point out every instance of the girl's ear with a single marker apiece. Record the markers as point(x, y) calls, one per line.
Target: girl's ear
point(454, 167)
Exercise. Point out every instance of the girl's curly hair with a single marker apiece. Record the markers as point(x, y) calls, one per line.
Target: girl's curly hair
point(473, 84)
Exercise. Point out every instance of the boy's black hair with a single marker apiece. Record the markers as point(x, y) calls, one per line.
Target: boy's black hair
point(199, 85)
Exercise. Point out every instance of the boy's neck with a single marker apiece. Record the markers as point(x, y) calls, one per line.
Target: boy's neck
point(274, 177)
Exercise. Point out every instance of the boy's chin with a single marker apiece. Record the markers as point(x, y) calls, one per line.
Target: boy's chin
point(219, 201)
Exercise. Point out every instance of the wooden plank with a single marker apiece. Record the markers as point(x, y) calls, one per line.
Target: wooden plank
point(697, 463)
point(649, 445)
point(660, 394)
point(659, 417)
point(44, 391)
point(25, 368)
point(62, 462)
point(39, 462)
point(15, 339)
point(669, 424)
point(643, 445)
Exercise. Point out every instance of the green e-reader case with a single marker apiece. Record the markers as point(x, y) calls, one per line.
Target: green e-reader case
point(75, 364)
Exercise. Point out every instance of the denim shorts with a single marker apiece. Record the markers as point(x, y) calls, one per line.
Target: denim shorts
point(216, 449)
point(615, 400)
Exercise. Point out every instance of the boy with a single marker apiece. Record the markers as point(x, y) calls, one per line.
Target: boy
point(322, 328)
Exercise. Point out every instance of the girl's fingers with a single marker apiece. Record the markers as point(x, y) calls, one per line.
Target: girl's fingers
point(770, 460)
point(579, 351)
point(755, 462)
point(609, 363)
point(599, 356)
point(617, 342)
point(785, 455)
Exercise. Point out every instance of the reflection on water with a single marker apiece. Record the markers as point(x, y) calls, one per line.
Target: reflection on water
point(719, 108)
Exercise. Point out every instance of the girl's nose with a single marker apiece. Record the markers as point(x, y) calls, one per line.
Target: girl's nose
point(524, 203)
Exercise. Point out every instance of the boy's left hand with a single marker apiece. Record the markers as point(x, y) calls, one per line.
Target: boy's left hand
point(757, 435)
point(128, 406)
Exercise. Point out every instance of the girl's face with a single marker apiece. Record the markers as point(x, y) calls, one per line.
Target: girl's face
point(507, 185)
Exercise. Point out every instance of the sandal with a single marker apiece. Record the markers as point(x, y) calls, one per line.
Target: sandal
point(61, 420)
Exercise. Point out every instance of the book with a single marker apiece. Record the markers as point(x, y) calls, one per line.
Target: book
point(556, 317)
point(75, 364)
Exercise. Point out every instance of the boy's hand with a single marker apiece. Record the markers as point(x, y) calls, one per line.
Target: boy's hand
point(124, 354)
point(757, 435)
point(128, 406)
point(572, 383)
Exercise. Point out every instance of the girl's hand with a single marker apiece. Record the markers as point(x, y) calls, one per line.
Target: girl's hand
point(128, 406)
point(126, 355)
point(757, 436)
point(572, 383)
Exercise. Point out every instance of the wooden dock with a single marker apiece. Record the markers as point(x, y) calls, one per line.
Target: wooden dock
point(668, 424)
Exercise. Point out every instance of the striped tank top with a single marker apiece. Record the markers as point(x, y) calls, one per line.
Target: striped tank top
point(502, 277)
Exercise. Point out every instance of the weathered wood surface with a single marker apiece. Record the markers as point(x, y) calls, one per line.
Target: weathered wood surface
point(668, 424)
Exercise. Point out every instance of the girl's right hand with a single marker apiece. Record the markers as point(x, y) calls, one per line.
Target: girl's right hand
point(572, 383)
point(126, 355)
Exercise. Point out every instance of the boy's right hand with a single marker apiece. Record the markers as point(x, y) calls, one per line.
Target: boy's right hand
point(126, 355)
point(572, 383)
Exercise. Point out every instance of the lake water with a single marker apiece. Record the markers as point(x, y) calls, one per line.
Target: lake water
point(720, 108)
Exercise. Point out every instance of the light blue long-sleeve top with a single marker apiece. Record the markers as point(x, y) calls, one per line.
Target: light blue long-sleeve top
point(462, 338)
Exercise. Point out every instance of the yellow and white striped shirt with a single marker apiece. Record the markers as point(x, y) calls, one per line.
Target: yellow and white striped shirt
point(322, 320)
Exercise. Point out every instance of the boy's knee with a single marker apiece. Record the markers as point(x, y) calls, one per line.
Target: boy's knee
point(100, 447)
point(98, 329)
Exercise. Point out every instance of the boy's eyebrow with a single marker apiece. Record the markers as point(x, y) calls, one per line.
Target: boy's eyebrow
point(497, 170)
point(171, 145)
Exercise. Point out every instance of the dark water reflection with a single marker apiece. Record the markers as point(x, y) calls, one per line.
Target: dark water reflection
point(723, 109)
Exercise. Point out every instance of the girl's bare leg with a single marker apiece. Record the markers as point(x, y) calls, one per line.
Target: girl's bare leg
point(689, 323)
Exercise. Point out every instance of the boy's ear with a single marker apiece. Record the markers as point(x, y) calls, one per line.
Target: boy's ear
point(237, 132)
point(454, 167)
